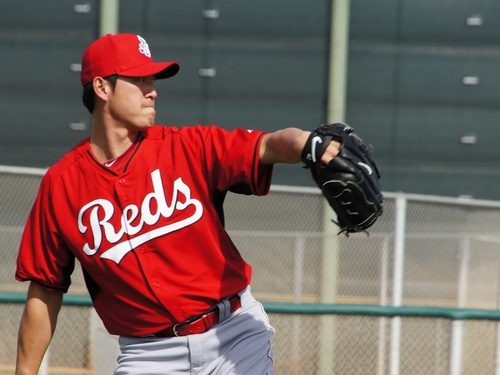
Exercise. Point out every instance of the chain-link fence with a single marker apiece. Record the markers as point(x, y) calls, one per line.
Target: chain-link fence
point(424, 251)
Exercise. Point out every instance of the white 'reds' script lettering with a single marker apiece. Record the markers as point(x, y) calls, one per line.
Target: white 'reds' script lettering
point(140, 216)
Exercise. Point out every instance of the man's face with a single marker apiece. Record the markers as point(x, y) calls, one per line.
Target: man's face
point(131, 103)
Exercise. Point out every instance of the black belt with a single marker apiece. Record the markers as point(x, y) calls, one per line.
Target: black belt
point(202, 323)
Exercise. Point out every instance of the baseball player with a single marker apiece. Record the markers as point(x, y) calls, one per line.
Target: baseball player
point(140, 207)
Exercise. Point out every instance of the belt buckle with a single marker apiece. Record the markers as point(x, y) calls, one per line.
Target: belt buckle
point(184, 323)
point(174, 329)
point(202, 317)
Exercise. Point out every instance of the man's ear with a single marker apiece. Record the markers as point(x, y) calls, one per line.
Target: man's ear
point(102, 87)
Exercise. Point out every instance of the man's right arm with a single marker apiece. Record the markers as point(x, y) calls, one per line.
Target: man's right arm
point(286, 145)
point(37, 326)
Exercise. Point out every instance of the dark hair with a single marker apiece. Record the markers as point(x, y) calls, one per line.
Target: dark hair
point(88, 96)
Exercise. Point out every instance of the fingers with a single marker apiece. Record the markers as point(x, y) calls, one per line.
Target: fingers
point(331, 151)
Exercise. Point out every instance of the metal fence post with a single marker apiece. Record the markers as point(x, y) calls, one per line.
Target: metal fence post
point(297, 298)
point(329, 281)
point(336, 99)
point(397, 282)
point(457, 325)
point(109, 17)
point(383, 302)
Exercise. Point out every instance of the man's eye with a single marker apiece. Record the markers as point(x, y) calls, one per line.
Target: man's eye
point(145, 80)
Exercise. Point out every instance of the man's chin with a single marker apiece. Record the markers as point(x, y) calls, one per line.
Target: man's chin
point(151, 122)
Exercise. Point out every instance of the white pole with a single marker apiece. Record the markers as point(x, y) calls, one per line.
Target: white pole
point(109, 17)
point(383, 302)
point(339, 47)
point(456, 347)
point(297, 297)
point(457, 325)
point(397, 284)
point(329, 265)
point(337, 78)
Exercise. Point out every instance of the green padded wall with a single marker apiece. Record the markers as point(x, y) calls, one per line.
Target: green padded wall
point(423, 87)
point(423, 81)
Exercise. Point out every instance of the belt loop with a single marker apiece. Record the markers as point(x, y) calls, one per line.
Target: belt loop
point(224, 309)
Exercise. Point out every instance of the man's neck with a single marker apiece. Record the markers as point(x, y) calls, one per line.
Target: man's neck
point(109, 144)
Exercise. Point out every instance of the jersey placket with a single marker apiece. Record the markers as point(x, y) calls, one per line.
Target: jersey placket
point(132, 204)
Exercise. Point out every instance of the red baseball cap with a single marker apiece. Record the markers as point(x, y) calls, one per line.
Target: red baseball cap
point(123, 54)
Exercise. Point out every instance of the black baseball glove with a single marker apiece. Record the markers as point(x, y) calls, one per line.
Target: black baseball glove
point(350, 181)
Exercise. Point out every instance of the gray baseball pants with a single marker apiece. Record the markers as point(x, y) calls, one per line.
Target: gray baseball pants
point(240, 345)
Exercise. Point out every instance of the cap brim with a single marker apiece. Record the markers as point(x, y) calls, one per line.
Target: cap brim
point(160, 70)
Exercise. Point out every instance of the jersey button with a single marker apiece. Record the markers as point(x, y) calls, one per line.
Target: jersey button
point(122, 181)
point(126, 198)
point(156, 284)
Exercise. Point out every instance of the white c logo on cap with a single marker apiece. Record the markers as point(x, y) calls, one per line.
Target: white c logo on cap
point(143, 47)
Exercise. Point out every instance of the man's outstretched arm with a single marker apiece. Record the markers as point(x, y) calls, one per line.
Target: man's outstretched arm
point(286, 145)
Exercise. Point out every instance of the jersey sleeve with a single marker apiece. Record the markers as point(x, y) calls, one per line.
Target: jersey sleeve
point(232, 159)
point(42, 256)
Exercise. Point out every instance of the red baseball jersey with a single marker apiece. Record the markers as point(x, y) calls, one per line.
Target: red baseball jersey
point(150, 237)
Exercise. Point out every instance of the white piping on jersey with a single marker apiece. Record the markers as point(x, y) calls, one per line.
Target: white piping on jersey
point(131, 213)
